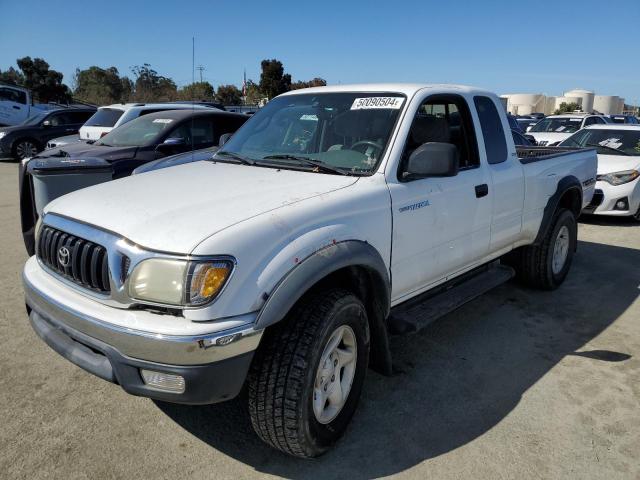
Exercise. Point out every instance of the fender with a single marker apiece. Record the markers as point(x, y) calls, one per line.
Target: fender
point(348, 253)
point(564, 185)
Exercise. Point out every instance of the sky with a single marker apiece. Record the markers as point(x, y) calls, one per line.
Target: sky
point(507, 46)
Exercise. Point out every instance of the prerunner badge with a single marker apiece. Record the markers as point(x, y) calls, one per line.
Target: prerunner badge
point(393, 103)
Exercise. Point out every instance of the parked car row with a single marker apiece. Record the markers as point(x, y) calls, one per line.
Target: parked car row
point(31, 137)
point(116, 154)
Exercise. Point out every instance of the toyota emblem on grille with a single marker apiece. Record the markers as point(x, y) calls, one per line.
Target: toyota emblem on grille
point(64, 256)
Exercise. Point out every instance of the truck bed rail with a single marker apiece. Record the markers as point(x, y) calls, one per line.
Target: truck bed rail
point(536, 154)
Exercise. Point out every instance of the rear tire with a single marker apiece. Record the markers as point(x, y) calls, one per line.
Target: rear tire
point(545, 266)
point(296, 363)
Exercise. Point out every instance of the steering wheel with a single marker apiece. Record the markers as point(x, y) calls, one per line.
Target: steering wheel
point(369, 143)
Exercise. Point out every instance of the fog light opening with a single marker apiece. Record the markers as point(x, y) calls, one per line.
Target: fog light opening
point(622, 204)
point(165, 382)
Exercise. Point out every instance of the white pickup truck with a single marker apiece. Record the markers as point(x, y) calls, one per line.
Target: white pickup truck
point(333, 218)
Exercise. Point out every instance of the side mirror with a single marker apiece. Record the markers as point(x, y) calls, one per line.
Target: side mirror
point(224, 138)
point(433, 159)
point(46, 123)
point(171, 145)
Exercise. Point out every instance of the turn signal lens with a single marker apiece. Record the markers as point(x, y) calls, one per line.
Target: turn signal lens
point(206, 280)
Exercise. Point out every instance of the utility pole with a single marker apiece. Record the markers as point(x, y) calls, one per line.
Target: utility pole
point(200, 68)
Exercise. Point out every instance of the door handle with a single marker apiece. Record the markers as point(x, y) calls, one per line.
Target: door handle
point(16, 107)
point(482, 190)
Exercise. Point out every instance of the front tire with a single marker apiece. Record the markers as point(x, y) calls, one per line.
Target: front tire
point(545, 266)
point(25, 148)
point(306, 378)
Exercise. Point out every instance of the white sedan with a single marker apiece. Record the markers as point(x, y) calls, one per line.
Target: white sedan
point(618, 182)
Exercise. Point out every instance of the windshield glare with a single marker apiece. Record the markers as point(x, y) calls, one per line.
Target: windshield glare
point(558, 125)
point(138, 133)
point(347, 130)
point(608, 141)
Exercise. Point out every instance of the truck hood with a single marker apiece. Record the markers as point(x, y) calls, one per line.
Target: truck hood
point(82, 149)
point(174, 209)
point(549, 137)
point(617, 163)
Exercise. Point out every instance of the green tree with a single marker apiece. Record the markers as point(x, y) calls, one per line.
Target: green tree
point(149, 86)
point(101, 86)
point(45, 84)
point(229, 95)
point(273, 80)
point(253, 93)
point(12, 77)
point(567, 107)
point(197, 91)
point(315, 82)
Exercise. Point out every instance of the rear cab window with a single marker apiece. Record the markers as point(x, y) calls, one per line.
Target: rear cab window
point(104, 117)
point(495, 143)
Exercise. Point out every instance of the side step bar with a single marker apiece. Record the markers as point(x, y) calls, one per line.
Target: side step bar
point(415, 314)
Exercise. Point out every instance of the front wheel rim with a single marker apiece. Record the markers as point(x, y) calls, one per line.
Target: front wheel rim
point(560, 250)
point(26, 150)
point(335, 374)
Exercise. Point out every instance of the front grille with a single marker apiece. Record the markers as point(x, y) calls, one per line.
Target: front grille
point(83, 262)
point(542, 143)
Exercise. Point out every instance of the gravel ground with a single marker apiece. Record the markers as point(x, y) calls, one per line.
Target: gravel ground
point(517, 384)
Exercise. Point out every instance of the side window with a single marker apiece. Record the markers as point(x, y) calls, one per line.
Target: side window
point(11, 95)
point(203, 132)
point(57, 119)
point(492, 131)
point(592, 121)
point(444, 119)
point(200, 132)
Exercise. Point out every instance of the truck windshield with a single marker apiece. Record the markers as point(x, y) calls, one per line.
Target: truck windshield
point(104, 117)
point(607, 141)
point(558, 125)
point(140, 132)
point(346, 131)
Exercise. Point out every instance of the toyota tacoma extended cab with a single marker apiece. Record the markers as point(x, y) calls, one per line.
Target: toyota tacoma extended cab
point(334, 217)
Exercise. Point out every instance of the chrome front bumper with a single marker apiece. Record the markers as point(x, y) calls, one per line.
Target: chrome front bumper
point(88, 317)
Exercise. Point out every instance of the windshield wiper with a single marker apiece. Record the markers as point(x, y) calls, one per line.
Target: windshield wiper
point(235, 156)
point(597, 145)
point(319, 164)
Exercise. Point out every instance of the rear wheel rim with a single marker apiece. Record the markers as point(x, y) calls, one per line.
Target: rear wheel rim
point(560, 250)
point(26, 150)
point(335, 374)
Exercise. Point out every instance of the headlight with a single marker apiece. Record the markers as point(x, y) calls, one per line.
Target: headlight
point(178, 282)
point(618, 178)
point(2, 134)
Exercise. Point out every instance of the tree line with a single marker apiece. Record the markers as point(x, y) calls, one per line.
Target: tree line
point(103, 86)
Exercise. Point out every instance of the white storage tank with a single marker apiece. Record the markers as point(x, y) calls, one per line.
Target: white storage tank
point(606, 104)
point(586, 96)
point(524, 103)
point(620, 106)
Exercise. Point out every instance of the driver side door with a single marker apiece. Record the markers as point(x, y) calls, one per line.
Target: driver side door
point(440, 224)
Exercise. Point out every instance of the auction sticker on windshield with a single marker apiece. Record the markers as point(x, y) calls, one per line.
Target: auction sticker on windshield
point(393, 103)
point(163, 120)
